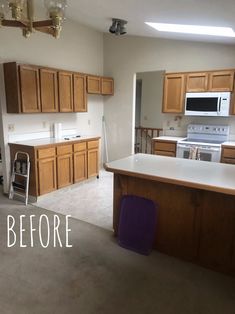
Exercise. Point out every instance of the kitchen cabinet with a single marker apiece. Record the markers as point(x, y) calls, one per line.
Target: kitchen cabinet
point(174, 92)
point(197, 82)
point(79, 92)
point(93, 84)
point(92, 158)
point(211, 81)
point(57, 165)
point(65, 91)
point(80, 161)
point(47, 178)
point(48, 90)
point(228, 154)
point(22, 88)
point(164, 148)
point(107, 86)
point(221, 81)
point(64, 166)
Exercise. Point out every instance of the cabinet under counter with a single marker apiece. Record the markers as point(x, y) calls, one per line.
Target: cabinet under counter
point(58, 163)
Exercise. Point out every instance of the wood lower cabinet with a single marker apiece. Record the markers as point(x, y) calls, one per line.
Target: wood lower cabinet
point(47, 178)
point(59, 165)
point(49, 90)
point(64, 166)
point(164, 148)
point(80, 162)
point(65, 91)
point(228, 154)
point(174, 92)
point(93, 158)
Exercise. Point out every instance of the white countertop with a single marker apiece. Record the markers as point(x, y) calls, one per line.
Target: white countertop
point(204, 175)
point(229, 143)
point(169, 138)
point(53, 141)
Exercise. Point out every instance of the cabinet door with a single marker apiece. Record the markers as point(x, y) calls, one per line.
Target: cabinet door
point(64, 170)
point(49, 90)
point(221, 81)
point(197, 82)
point(79, 90)
point(65, 92)
point(107, 86)
point(92, 162)
point(93, 84)
point(174, 89)
point(47, 175)
point(30, 91)
point(80, 166)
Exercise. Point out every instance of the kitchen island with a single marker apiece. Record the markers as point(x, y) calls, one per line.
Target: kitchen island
point(196, 205)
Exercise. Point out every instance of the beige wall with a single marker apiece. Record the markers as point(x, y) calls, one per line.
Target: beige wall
point(126, 56)
point(79, 49)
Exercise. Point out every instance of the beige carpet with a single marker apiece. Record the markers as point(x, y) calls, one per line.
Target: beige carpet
point(96, 276)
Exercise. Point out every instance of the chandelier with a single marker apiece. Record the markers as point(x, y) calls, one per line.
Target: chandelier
point(22, 12)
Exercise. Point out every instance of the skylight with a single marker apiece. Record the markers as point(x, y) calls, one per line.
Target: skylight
point(193, 29)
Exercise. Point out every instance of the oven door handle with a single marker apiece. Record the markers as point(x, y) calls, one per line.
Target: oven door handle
point(219, 106)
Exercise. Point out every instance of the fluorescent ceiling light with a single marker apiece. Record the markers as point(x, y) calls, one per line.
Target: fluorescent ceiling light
point(193, 29)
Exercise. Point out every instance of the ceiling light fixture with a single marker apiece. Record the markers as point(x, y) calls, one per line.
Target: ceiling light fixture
point(118, 27)
point(193, 29)
point(22, 12)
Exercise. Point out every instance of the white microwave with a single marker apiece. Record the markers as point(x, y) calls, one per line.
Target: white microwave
point(212, 104)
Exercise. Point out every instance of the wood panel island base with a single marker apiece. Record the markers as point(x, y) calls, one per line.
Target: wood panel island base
point(196, 205)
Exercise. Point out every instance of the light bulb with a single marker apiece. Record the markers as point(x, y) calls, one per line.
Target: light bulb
point(4, 8)
point(56, 7)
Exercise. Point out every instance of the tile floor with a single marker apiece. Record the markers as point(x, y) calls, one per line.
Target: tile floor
point(90, 201)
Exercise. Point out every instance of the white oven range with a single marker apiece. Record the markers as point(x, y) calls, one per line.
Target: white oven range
point(203, 142)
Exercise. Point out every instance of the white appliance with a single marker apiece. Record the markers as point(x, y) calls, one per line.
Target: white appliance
point(207, 104)
point(206, 140)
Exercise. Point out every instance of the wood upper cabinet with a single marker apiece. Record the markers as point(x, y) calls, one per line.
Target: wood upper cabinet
point(80, 162)
point(221, 81)
point(107, 86)
point(197, 82)
point(47, 178)
point(49, 90)
point(30, 89)
point(65, 91)
point(93, 158)
point(93, 84)
point(174, 91)
point(79, 92)
point(216, 81)
point(64, 165)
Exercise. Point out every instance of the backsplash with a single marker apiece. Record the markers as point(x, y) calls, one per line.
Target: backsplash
point(176, 125)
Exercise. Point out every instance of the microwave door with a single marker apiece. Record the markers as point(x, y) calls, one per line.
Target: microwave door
point(197, 106)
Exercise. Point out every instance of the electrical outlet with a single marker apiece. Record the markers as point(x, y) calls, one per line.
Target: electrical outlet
point(11, 127)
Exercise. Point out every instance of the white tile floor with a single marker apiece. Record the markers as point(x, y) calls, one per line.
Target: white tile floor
point(90, 201)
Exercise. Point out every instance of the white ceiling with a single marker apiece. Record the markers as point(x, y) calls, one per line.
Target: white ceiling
point(98, 14)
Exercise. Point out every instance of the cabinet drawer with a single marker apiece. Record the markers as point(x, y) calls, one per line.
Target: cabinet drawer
point(63, 150)
point(166, 146)
point(164, 153)
point(93, 144)
point(78, 147)
point(228, 160)
point(228, 153)
point(46, 152)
